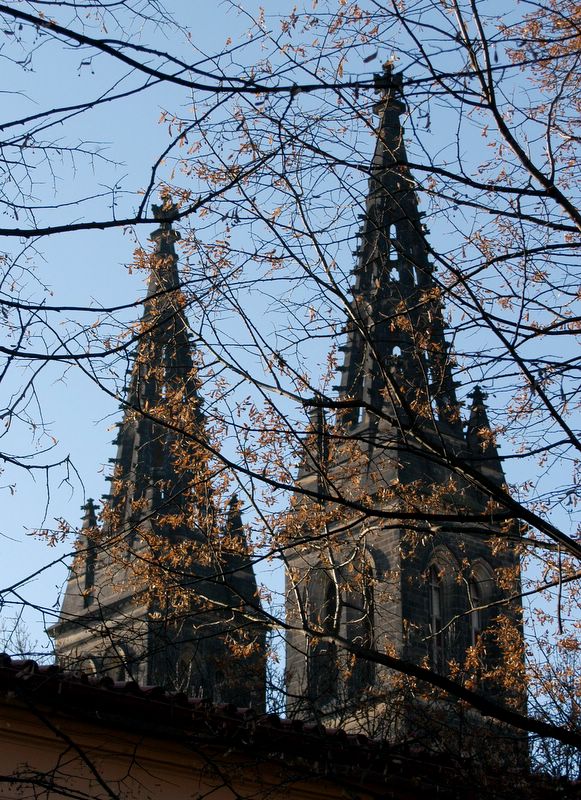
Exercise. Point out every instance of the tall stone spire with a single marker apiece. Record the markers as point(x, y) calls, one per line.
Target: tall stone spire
point(396, 353)
point(373, 579)
point(164, 591)
point(144, 478)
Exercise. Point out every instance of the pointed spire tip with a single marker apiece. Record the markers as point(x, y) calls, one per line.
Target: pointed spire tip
point(90, 516)
point(167, 210)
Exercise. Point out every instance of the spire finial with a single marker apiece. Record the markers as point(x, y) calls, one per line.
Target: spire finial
point(165, 236)
point(390, 85)
point(234, 527)
point(90, 516)
point(478, 397)
point(164, 274)
point(167, 211)
point(479, 434)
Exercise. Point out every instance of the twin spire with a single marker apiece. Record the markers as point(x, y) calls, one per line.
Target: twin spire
point(396, 355)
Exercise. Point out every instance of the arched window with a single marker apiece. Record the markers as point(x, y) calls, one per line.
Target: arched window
point(88, 665)
point(183, 681)
point(220, 684)
point(359, 612)
point(481, 590)
point(322, 669)
point(115, 665)
point(366, 394)
point(437, 654)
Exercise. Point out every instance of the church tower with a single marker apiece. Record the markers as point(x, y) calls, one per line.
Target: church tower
point(163, 591)
point(399, 552)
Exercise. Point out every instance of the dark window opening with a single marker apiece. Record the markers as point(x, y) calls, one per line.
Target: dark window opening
point(437, 655)
point(360, 630)
point(475, 612)
point(322, 670)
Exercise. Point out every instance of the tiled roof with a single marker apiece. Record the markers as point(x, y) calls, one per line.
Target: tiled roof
point(175, 714)
point(315, 748)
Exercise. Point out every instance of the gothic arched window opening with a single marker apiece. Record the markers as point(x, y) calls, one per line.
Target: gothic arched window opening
point(322, 669)
point(359, 608)
point(481, 590)
point(475, 595)
point(436, 603)
point(115, 665)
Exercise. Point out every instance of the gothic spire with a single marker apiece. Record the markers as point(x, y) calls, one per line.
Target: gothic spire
point(163, 589)
point(164, 272)
point(234, 527)
point(396, 353)
point(163, 377)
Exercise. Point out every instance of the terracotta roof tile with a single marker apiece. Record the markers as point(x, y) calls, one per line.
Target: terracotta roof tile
point(159, 713)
